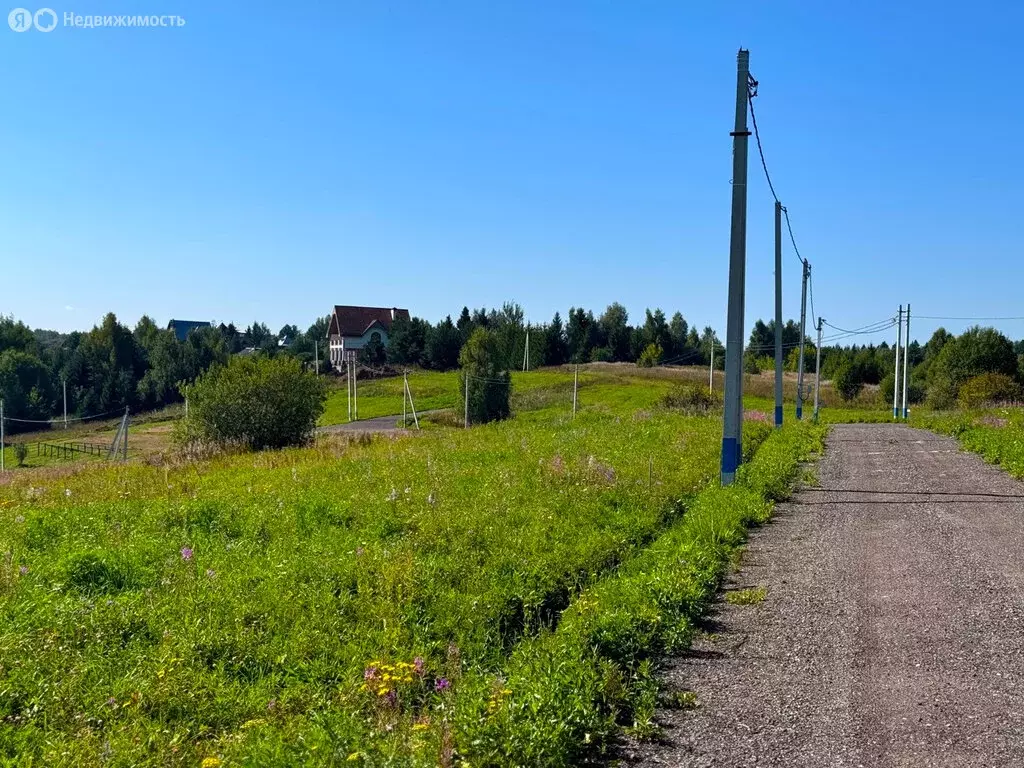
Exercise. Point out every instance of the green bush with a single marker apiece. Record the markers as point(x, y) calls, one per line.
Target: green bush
point(490, 387)
point(20, 453)
point(987, 389)
point(846, 382)
point(254, 402)
point(651, 356)
point(692, 398)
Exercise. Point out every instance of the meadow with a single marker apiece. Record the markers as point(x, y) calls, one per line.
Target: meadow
point(491, 596)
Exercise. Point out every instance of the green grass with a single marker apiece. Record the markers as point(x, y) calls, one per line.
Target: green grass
point(249, 607)
point(996, 434)
point(751, 596)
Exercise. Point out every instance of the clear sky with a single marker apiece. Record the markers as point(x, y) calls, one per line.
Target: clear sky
point(266, 161)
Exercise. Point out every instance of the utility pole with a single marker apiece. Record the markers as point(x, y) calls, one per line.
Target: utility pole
point(803, 334)
point(817, 371)
point(355, 389)
point(896, 375)
point(466, 374)
point(906, 357)
point(64, 386)
point(778, 314)
point(124, 445)
point(526, 350)
point(348, 387)
point(732, 431)
point(405, 389)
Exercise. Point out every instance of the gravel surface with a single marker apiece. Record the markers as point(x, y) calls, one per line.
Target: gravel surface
point(379, 424)
point(892, 633)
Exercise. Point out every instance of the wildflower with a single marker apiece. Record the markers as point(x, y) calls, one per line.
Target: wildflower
point(19, 519)
point(370, 673)
point(352, 758)
point(431, 499)
point(210, 573)
point(272, 705)
point(210, 762)
point(391, 697)
point(23, 570)
point(417, 664)
point(408, 491)
point(359, 551)
point(67, 492)
point(186, 554)
point(442, 684)
point(111, 702)
point(419, 726)
point(393, 496)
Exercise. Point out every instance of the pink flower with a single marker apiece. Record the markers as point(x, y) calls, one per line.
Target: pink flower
point(442, 684)
point(23, 570)
point(417, 664)
point(186, 554)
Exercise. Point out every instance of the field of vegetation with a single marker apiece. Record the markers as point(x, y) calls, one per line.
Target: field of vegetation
point(489, 596)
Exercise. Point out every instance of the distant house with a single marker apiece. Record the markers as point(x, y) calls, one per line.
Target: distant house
point(352, 328)
point(182, 328)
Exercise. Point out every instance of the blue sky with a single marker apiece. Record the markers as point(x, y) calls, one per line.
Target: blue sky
point(264, 162)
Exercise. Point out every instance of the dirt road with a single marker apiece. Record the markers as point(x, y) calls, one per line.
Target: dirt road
point(892, 633)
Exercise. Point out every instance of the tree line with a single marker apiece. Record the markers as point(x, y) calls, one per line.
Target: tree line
point(112, 366)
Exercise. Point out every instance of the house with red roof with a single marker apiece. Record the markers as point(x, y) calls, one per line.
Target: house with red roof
point(352, 328)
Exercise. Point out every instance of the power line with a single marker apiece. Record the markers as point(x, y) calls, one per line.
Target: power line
point(939, 317)
point(870, 328)
point(752, 92)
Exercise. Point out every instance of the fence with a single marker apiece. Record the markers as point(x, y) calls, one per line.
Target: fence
point(69, 449)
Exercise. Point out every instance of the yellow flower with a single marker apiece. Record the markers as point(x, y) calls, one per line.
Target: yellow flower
point(352, 758)
point(253, 723)
point(211, 762)
point(420, 727)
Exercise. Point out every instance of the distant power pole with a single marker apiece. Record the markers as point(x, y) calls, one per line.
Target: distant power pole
point(817, 371)
point(732, 431)
point(803, 334)
point(64, 385)
point(906, 356)
point(778, 314)
point(896, 375)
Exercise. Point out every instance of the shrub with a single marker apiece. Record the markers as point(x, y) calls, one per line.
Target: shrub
point(602, 355)
point(254, 402)
point(651, 356)
point(986, 389)
point(20, 453)
point(846, 382)
point(692, 398)
point(490, 387)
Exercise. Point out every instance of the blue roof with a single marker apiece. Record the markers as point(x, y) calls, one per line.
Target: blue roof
point(182, 328)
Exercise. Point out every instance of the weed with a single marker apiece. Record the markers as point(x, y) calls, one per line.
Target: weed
point(751, 596)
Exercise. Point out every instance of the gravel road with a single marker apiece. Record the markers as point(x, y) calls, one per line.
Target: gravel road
point(892, 633)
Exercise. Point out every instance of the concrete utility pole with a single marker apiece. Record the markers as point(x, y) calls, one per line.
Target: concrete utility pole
point(817, 371)
point(778, 314)
point(906, 357)
point(348, 387)
point(732, 432)
point(896, 375)
point(64, 386)
point(803, 334)
point(526, 350)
